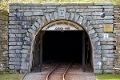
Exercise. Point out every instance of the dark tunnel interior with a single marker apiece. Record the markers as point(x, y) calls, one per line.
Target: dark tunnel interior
point(65, 45)
point(62, 46)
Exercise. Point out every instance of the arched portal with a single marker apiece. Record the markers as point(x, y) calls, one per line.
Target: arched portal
point(62, 39)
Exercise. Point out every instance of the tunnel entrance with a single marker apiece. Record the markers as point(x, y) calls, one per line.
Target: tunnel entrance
point(63, 46)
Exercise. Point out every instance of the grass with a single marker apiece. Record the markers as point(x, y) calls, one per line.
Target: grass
point(108, 76)
point(11, 76)
point(99, 76)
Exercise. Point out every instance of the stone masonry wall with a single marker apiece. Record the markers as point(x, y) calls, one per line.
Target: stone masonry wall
point(3, 40)
point(20, 42)
point(117, 32)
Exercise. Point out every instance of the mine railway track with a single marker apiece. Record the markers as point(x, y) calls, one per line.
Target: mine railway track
point(60, 69)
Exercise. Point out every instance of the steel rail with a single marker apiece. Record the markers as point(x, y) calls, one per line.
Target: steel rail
point(63, 76)
point(47, 77)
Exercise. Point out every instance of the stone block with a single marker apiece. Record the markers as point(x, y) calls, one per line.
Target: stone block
point(25, 51)
point(19, 43)
point(107, 59)
point(109, 55)
point(103, 3)
point(27, 39)
point(51, 16)
point(18, 51)
point(95, 39)
point(11, 35)
point(11, 66)
point(93, 7)
point(27, 43)
point(28, 13)
point(32, 31)
point(108, 51)
point(72, 16)
point(108, 71)
point(11, 51)
point(14, 63)
point(47, 17)
point(24, 66)
point(17, 67)
point(38, 13)
point(107, 39)
point(34, 28)
point(14, 59)
point(111, 47)
point(37, 25)
point(92, 31)
point(26, 47)
point(15, 47)
point(100, 30)
point(98, 71)
point(107, 67)
point(111, 7)
point(12, 43)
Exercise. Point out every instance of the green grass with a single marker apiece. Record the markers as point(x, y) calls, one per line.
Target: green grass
point(11, 76)
point(108, 76)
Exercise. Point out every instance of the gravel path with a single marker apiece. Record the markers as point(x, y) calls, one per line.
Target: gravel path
point(74, 73)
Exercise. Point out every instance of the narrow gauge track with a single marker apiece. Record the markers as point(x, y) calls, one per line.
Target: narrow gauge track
point(59, 71)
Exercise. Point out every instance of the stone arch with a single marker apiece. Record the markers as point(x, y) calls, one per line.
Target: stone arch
point(73, 17)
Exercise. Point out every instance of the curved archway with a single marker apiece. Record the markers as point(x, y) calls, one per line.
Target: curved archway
point(33, 32)
point(47, 26)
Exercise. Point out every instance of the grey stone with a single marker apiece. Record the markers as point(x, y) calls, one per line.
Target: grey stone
point(12, 51)
point(12, 43)
point(27, 43)
point(109, 55)
point(26, 47)
point(32, 31)
point(103, 3)
point(11, 66)
point(72, 16)
point(97, 52)
point(18, 51)
point(108, 71)
point(37, 24)
point(107, 67)
point(27, 39)
point(18, 35)
point(14, 47)
point(108, 7)
point(55, 15)
point(108, 51)
point(100, 30)
point(25, 51)
point(28, 13)
point(107, 39)
point(107, 47)
point(19, 43)
point(24, 66)
point(51, 16)
point(91, 31)
point(14, 63)
point(108, 59)
point(34, 28)
point(93, 35)
point(80, 20)
point(11, 35)
point(98, 71)
point(96, 47)
point(17, 67)
point(76, 17)
point(38, 13)
point(47, 17)
point(95, 7)
point(14, 59)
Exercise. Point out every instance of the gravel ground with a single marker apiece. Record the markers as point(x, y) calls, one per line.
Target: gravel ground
point(74, 73)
